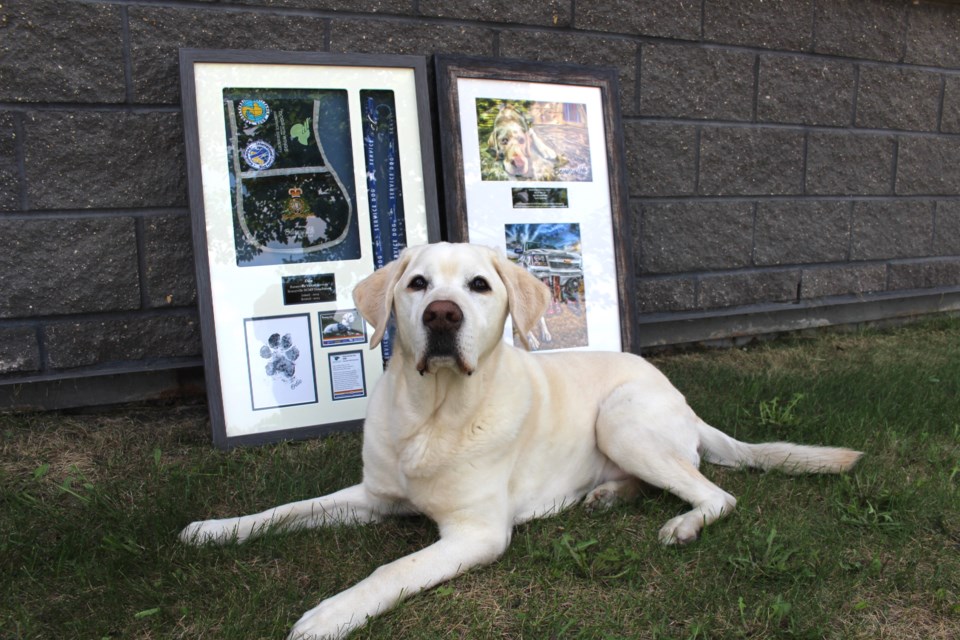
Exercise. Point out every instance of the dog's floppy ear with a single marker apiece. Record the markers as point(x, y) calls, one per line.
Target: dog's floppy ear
point(493, 144)
point(527, 297)
point(374, 296)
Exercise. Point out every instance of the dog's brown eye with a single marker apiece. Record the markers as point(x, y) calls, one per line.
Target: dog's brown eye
point(479, 285)
point(417, 283)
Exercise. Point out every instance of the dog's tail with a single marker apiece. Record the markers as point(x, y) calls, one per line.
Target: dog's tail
point(719, 448)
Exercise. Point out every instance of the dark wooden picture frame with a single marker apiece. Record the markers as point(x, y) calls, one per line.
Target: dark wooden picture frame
point(478, 180)
point(284, 227)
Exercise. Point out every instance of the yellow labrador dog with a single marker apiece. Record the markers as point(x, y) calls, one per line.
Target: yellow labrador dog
point(519, 149)
point(480, 436)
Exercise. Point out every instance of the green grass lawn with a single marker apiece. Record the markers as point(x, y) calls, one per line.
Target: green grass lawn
point(91, 502)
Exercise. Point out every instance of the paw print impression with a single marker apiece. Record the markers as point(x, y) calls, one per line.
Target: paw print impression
point(281, 353)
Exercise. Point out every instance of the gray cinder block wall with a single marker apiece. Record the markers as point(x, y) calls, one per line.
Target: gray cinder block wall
point(791, 163)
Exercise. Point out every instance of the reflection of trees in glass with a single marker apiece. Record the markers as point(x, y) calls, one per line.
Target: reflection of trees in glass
point(270, 216)
point(302, 215)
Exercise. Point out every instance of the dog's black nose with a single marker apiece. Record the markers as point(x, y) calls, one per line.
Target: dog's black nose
point(442, 315)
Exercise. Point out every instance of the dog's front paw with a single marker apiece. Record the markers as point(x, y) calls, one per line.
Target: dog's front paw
point(209, 532)
point(322, 623)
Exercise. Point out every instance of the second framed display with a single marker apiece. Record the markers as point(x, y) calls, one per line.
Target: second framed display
point(534, 168)
point(307, 171)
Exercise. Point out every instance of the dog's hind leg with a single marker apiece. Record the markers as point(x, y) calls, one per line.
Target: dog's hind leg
point(655, 440)
point(353, 505)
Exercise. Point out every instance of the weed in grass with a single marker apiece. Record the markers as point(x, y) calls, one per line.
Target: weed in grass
point(767, 556)
point(780, 414)
point(866, 501)
point(767, 616)
point(566, 548)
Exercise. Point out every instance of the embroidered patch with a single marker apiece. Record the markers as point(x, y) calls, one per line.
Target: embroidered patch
point(259, 155)
point(254, 111)
point(301, 132)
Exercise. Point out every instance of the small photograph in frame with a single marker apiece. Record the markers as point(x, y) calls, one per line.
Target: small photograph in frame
point(341, 327)
point(525, 140)
point(280, 361)
point(306, 172)
point(535, 148)
point(552, 252)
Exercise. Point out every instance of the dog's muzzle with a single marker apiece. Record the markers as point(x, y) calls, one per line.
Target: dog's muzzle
point(442, 319)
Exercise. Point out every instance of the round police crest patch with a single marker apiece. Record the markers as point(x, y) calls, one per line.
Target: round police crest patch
point(254, 111)
point(259, 155)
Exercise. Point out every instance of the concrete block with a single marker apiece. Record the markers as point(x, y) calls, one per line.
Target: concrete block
point(924, 166)
point(891, 229)
point(409, 38)
point(9, 172)
point(156, 34)
point(552, 13)
point(56, 266)
point(679, 19)
point(845, 280)
point(168, 256)
point(869, 29)
point(898, 98)
point(800, 90)
point(695, 236)
point(661, 159)
point(950, 120)
point(751, 287)
point(933, 35)
point(771, 24)
point(577, 48)
point(86, 343)
point(56, 51)
point(848, 163)
point(693, 82)
point(946, 239)
point(735, 161)
point(19, 350)
point(92, 159)
point(802, 232)
point(924, 274)
point(662, 295)
point(399, 7)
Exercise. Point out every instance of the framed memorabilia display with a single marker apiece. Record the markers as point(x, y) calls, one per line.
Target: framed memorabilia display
point(534, 168)
point(307, 171)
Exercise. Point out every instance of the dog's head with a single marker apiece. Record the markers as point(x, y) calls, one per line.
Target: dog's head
point(510, 141)
point(450, 302)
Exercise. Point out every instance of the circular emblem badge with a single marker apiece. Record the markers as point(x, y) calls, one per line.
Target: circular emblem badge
point(254, 111)
point(259, 155)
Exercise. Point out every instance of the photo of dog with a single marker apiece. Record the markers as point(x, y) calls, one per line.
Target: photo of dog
point(533, 141)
